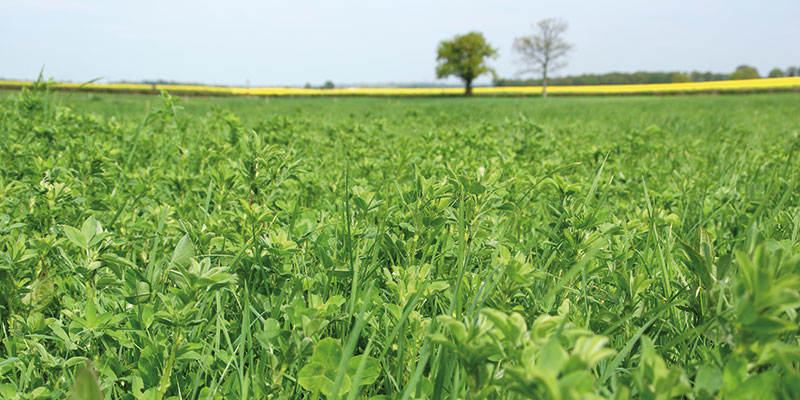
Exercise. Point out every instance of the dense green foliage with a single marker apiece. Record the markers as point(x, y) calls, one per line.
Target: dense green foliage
point(465, 57)
point(745, 72)
point(571, 248)
point(776, 73)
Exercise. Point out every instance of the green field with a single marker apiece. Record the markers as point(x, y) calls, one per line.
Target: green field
point(497, 248)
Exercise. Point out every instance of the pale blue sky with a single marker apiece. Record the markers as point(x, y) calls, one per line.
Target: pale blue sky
point(292, 42)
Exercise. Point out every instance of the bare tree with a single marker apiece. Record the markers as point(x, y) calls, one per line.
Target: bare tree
point(544, 51)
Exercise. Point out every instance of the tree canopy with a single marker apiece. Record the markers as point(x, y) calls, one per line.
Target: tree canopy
point(465, 57)
point(776, 73)
point(745, 72)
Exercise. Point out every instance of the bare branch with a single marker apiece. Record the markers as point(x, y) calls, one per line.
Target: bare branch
point(545, 50)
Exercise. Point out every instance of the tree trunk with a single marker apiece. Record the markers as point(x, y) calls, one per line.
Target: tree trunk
point(544, 83)
point(468, 88)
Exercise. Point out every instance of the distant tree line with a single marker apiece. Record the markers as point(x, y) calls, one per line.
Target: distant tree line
point(779, 73)
point(326, 85)
point(643, 77)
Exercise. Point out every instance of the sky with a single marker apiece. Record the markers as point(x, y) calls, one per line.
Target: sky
point(292, 42)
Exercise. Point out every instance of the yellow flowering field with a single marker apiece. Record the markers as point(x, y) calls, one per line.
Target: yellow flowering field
point(661, 88)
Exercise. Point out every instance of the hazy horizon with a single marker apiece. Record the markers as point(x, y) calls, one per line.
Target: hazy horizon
point(362, 42)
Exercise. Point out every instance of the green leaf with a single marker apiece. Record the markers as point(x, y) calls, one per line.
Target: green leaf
point(579, 382)
point(762, 387)
point(271, 328)
point(184, 251)
point(10, 360)
point(372, 369)
point(769, 326)
point(734, 374)
point(75, 361)
point(475, 188)
point(699, 265)
point(709, 378)
point(320, 374)
point(8, 391)
point(86, 386)
point(312, 377)
point(317, 377)
point(75, 236)
point(456, 328)
point(89, 229)
point(552, 357)
point(328, 353)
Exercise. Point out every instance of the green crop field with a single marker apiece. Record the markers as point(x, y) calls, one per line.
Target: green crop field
point(153, 247)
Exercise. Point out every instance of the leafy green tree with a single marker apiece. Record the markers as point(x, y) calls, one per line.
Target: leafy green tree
point(745, 72)
point(776, 73)
point(328, 85)
point(792, 71)
point(464, 57)
point(545, 50)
